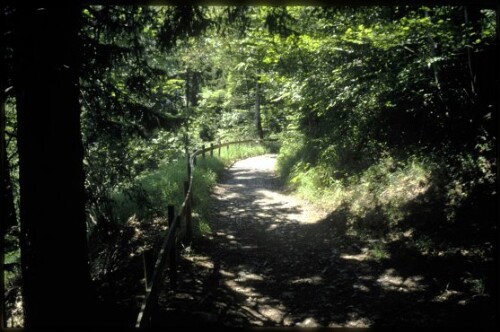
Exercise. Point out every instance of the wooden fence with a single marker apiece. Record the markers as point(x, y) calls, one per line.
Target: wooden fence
point(154, 275)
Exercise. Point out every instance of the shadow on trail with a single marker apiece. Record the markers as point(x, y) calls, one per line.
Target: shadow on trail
point(264, 266)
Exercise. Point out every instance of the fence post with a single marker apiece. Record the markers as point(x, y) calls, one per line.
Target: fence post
point(211, 149)
point(188, 165)
point(189, 217)
point(172, 271)
point(219, 148)
point(203, 151)
point(148, 262)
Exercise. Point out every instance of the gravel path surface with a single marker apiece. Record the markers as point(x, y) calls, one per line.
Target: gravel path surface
point(269, 262)
point(272, 260)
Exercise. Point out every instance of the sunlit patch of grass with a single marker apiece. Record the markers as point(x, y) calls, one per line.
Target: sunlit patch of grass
point(204, 227)
point(388, 186)
point(235, 152)
point(375, 198)
point(149, 195)
point(378, 251)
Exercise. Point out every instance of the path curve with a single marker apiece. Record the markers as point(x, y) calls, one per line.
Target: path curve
point(272, 260)
point(257, 231)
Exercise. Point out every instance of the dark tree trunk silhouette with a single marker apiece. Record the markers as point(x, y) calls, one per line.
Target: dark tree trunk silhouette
point(3, 202)
point(54, 255)
point(7, 210)
point(472, 16)
point(2, 165)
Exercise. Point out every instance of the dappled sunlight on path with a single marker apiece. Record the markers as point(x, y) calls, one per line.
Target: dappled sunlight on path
point(272, 263)
point(250, 193)
point(255, 214)
point(273, 260)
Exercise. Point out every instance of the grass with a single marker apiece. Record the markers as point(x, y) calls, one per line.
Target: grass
point(374, 199)
point(150, 194)
point(378, 251)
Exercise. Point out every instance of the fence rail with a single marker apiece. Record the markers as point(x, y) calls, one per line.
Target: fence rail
point(167, 254)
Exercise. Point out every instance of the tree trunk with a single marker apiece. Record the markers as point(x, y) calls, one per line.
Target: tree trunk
point(3, 205)
point(7, 210)
point(56, 278)
point(3, 157)
point(472, 16)
point(435, 66)
point(188, 113)
point(8, 216)
point(258, 124)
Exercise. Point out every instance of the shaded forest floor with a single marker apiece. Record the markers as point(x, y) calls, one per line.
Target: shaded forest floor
point(273, 260)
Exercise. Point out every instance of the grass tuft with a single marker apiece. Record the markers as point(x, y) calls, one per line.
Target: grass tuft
point(148, 196)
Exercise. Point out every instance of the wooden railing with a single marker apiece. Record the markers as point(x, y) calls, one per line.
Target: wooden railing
point(167, 253)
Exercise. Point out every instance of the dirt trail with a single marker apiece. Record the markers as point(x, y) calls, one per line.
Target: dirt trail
point(257, 231)
point(272, 260)
point(269, 261)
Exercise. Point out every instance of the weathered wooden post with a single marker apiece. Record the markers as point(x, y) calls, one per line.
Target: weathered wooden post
point(211, 150)
point(172, 271)
point(203, 151)
point(188, 165)
point(148, 262)
point(189, 217)
point(219, 148)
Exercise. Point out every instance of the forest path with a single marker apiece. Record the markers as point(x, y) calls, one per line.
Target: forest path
point(272, 260)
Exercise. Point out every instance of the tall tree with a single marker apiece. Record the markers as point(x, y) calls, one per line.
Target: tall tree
point(258, 123)
point(7, 210)
point(56, 278)
point(3, 208)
